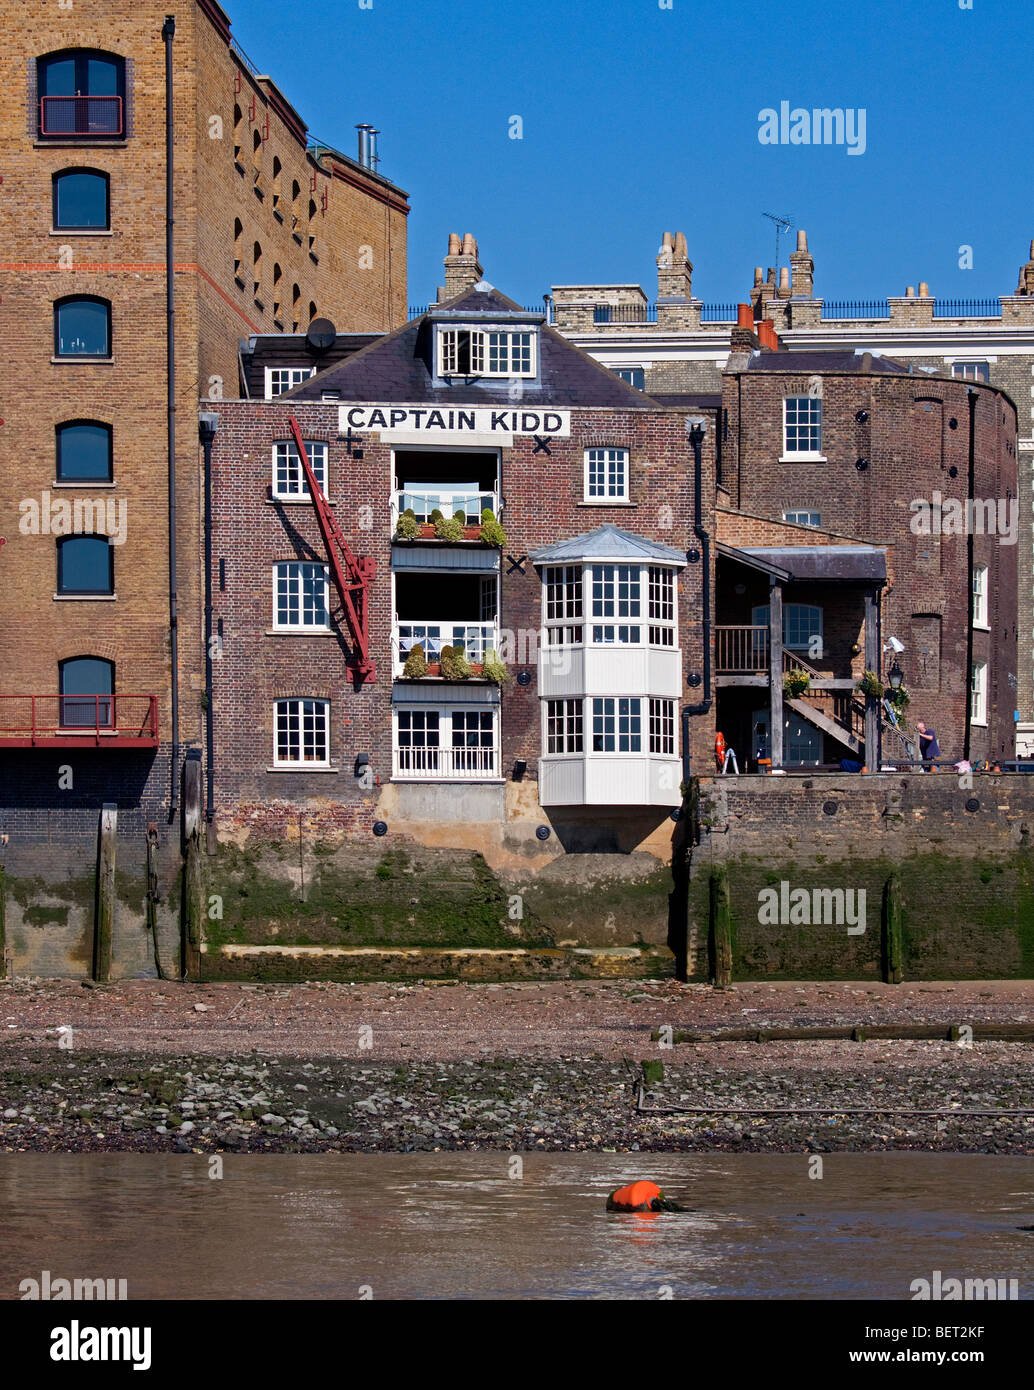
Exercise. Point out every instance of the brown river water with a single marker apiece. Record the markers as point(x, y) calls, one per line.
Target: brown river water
point(467, 1226)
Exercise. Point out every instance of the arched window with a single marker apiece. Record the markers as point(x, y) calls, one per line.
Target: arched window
point(277, 292)
point(256, 255)
point(81, 201)
point(312, 215)
point(84, 452)
point(81, 93)
point(296, 193)
point(256, 156)
point(296, 305)
point(277, 172)
point(87, 686)
point(238, 246)
point(238, 133)
point(312, 310)
point(82, 327)
point(85, 565)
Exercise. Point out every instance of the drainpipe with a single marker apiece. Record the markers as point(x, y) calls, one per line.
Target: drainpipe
point(696, 427)
point(208, 426)
point(168, 31)
point(971, 395)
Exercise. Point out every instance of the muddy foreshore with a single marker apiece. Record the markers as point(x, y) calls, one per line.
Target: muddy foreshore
point(51, 1101)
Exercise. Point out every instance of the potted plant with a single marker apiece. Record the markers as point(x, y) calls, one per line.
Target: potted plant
point(796, 682)
point(448, 528)
point(415, 666)
point(408, 527)
point(899, 698)
point(454, 665)
point(870, 684)
point(490, 532)
point(493, 669)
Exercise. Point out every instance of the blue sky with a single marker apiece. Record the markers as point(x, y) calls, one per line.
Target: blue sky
point(638, 119)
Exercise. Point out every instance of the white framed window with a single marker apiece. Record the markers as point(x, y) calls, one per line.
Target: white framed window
point(281, 379)
point(616, 594)
point(802, 626)
point(617, 725)
point(662, 727)
point(978, 693)
point(802, 426)
point(301, 596)
point(446, 743)
point(606, 475)
point(564, 726)
point(486, 352)
point(975, 370)
point(288, 478)
point(301, 733)
point(980, 596)
point(803, 518)
point(563, 623)
point(662, 606)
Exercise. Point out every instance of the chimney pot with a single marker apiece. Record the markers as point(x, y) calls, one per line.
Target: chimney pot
point(454, 244)
point(758, 275)
point(784, 278)
point(924, 289)
point(802, 241)
point(744, 316)
point(910, 291)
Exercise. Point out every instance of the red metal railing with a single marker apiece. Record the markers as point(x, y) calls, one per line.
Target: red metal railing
point(76, 721)
point(80, 116)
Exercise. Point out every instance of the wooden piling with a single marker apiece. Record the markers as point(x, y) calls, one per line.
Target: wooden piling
point(104, 920)
point(892, 948)
point(720, 929)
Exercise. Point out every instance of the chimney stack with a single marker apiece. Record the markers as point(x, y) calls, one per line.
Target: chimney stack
point(802, 269)
point(674, 268)
point(462, 268)
point(1026, 284)
point(784, 283)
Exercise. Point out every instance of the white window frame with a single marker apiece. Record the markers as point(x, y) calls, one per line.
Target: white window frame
point(662, 732)
point(489, 356)
point(760, 616)
point(616, 713)
point(318, 451)
point(794, 515)
point(813, 403)
point(565, 724)
point(599, 490)
point(295, 578)
point(563, 605)
point(980, 603)
point(571, 618)
point(573, 719)
point(320, 711)
point(296, 375)
point(446, 714)
point(978, 694)
point(964, 375)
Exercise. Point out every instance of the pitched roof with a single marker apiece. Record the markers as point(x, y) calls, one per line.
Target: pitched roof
point(397, 367)
point(608, 543)
point(823, 562)
point(823, 360)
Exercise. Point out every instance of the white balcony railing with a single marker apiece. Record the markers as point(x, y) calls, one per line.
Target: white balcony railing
point(423, 501)
point(455, 764)
point(473, 638)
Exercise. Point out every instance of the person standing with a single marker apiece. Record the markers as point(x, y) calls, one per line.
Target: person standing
point(929, 748)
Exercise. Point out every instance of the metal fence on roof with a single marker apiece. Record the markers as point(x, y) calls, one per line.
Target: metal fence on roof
point(855, 309)
point(967, 309)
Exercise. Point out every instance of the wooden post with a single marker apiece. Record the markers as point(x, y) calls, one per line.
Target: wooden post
point(892, 947)
point(105, 909)
point(720, 929)
point(775, 670)
point(193, 879)
point(682, 842)
point(873, 722)
point(3, 924)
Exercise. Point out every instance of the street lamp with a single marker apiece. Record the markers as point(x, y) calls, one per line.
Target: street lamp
point(895, 676)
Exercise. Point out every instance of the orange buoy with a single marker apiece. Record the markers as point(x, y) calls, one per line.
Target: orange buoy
point(640, 1196)
point(719, 750)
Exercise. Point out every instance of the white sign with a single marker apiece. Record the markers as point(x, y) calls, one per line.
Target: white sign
point(432, 422)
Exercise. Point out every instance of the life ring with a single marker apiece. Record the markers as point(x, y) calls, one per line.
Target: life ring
point(719, 750)
point(640, 1196)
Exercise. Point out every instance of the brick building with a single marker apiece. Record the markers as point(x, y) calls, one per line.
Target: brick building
point(593, 597)
point(677, 343)
point(269, 232)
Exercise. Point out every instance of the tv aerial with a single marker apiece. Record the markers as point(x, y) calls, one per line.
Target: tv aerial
point(782, 224)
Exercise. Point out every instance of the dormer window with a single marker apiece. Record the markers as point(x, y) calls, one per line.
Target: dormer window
point(486, 352)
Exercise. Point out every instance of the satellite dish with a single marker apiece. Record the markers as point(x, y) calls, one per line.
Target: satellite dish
point(322, 335)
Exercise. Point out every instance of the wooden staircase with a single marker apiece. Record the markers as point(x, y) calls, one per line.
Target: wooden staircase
point(841, 714)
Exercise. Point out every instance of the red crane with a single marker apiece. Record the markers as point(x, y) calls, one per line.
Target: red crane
point(352, 575)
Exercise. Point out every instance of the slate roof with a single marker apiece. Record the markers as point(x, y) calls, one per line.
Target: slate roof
point(821, 360)
point(831, 563)
point(396, 368)
point(607, 543)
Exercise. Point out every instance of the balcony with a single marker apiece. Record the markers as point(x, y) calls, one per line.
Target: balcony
point(78, 721)
point(741, 651)
point(449, 501)
point(87, 116)
point(423, 763)
point(473, 639)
